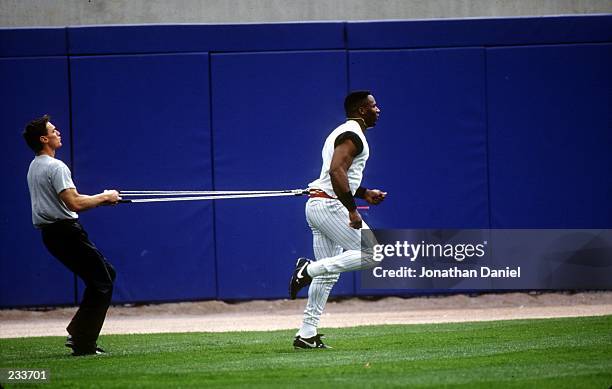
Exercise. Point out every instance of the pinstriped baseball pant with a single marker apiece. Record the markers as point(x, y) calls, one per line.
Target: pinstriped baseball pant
point(337, 248)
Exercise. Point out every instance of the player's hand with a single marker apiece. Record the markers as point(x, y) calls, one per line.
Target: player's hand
point(112, 197)
point(355, 219)
point(374, 196)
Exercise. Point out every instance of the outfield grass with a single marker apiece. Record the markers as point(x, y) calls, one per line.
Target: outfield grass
point(554, 353)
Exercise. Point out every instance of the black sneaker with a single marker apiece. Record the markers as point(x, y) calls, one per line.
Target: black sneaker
point(78, 351)
point(308, 343)
point(299, 278)
point(69, 342)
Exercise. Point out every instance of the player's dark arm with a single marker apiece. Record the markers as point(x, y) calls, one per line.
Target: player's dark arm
point(344, 153)
point(340, 164)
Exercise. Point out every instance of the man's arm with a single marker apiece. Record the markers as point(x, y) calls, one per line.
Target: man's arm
point(338, 172)
point(77, 202)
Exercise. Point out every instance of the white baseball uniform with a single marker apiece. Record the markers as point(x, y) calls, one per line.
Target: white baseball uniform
point(337, 246)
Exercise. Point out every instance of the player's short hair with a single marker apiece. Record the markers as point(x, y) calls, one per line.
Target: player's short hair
point(354, 100)
point(34, 130)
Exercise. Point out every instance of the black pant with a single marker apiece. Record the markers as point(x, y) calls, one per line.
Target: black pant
point(67, 241)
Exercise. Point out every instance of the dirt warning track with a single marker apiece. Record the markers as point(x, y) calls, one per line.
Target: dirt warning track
point(219, 316)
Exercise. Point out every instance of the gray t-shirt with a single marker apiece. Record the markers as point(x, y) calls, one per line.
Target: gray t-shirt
point(47, 177)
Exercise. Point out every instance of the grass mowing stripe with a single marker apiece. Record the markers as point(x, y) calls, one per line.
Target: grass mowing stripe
point(568, 352)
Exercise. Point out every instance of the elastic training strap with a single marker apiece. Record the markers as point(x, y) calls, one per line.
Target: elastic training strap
point(210, 195)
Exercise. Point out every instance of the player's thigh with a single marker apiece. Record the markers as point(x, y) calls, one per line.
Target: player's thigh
point(331, 218)
point(324, 247)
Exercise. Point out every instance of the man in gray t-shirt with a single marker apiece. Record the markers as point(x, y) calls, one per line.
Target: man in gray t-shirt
point(55, 203)
point(48, 177)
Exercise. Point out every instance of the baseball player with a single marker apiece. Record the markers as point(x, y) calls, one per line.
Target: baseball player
point(55, 203)
point(332, 214)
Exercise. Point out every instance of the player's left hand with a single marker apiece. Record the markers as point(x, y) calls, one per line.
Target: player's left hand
point(374, 196)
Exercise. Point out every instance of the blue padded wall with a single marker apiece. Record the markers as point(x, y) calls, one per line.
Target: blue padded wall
point(428, 150)
point(31, 87)
point(143, 122)
point(188, 38)
point(401, 34)
point(271, 114)
point(550, 136)
point(34, 42)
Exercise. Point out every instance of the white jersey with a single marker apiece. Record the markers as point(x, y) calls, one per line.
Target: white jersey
point(355, 171)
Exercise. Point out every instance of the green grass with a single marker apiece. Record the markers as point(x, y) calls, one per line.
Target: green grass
point(554, 353)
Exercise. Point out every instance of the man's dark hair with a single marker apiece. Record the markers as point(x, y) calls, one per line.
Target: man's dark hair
point(34, 130)
point(354, 100)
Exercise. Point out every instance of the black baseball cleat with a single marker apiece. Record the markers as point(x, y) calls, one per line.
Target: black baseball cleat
point(299, 278)
point(309, 343)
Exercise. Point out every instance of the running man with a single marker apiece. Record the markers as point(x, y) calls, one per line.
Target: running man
point(332, 214)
